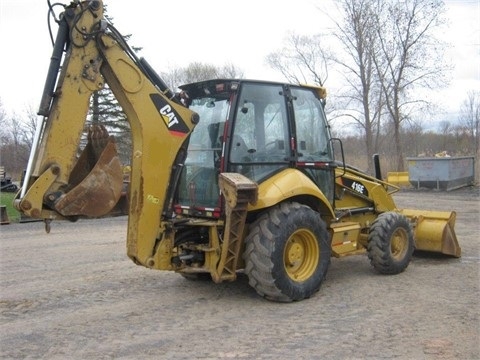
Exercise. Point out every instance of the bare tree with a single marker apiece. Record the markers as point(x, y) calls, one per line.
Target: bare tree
point(362, 100)
point(413, 139)
point(303, 59)
point(198, 71)
point(408, 58)
point(30, 125)
point(231, 71)
point(470, 118)
point(3, 125)
point(445, 130)
point(390, 51)
point(13, 149)
point(173, 77)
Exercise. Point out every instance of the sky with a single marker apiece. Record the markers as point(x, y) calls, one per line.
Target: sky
point(176, 33)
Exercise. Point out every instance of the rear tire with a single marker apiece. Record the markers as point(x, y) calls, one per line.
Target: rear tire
point(390, 243)
point(287, 253)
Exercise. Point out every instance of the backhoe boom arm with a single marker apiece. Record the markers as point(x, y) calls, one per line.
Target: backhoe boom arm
point(59, 183)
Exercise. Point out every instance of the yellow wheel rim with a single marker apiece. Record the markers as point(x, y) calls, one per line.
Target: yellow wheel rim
point(301, 255)
point(399, 244)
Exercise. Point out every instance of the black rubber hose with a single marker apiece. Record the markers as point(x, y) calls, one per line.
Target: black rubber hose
point(55, 61)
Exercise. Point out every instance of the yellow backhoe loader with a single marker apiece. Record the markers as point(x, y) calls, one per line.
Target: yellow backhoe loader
point(227, 175)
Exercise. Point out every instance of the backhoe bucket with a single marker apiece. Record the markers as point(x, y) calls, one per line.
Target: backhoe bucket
point(96, 180)
point(434, 231)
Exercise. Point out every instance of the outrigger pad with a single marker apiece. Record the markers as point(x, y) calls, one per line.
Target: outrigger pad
point(96, 180)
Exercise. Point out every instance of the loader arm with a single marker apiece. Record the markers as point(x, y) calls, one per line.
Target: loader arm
point(59, 184)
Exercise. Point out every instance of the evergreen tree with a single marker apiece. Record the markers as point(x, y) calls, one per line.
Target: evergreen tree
point(105, 110)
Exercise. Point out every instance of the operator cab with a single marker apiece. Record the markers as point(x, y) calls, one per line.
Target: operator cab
point(254, 128)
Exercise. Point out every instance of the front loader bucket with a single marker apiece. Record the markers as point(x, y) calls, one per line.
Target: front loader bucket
point(96, 180)
point(434, 231)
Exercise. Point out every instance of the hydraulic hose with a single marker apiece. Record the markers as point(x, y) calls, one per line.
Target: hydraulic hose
point(54, 67)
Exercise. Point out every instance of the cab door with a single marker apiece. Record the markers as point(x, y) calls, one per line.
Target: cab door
point(259, 145)
point(314, 153)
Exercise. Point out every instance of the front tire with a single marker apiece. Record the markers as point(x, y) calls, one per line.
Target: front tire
point(287, 253)
point(390, 243)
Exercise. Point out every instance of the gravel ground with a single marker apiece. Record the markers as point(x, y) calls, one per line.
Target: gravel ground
point(73, 294)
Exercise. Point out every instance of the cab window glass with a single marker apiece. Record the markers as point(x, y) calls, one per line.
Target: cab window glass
point(259, 143)
point(311, 126)
point(198, 182)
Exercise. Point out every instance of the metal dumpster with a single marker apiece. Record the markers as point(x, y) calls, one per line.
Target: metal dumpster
point(441, 173)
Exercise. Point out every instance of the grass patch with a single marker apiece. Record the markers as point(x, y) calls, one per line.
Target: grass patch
point(6, 199)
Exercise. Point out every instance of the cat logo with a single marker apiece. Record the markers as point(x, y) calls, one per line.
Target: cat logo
point(170, 117)
point(168, 112)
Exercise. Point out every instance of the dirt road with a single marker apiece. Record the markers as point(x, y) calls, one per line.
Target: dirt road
point(73, 294)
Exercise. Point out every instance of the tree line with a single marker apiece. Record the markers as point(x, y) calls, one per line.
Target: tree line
point(385, 54)
point(456, 139)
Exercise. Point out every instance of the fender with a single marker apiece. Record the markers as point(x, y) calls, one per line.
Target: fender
point(288, 184)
